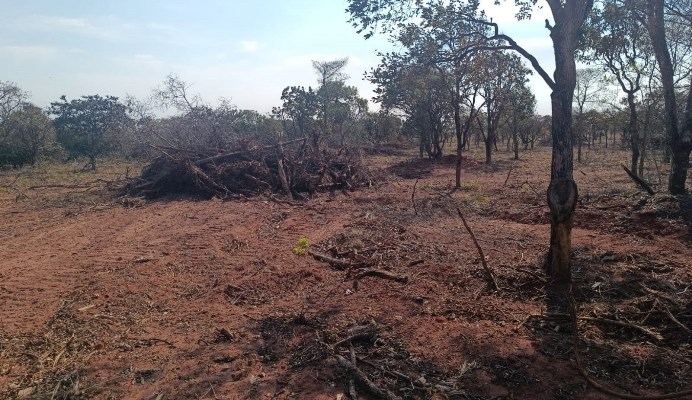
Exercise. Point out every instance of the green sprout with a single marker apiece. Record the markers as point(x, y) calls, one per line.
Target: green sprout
point(302, 246)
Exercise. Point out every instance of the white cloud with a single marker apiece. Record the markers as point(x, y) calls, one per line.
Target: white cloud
point(249, 46)
point(146, 61)
point(28, 53)
point(104, 28)
point(81, 26)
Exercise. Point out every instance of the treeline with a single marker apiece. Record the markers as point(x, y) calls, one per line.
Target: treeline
point(456, 79)
point(93, 126)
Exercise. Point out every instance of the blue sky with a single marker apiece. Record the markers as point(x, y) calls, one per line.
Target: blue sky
point(244, 50)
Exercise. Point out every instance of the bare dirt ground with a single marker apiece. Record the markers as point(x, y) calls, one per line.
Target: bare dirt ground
point(200, 299)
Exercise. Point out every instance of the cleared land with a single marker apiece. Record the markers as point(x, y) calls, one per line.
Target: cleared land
point(177, 298)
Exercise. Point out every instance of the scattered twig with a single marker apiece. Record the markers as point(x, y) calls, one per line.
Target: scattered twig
point(11, 185)
point(598, 386)
point(660, 294)
point(413, 198)
point(534, 274)
point(335, 262)
point(487, 269)
point(361, 377)
point(639, 181)
point(381, 274)
point(352, 381)
point(675, 320)
point(530, 187)
point(220, 157)
point(524, 321)
point(367, 331)
point(75, 186)
point(394, 374)
point(657, 336)
point(415, 262)
point(509, 172)
point(355, 337)
point(225, 335)
point(162, 151)
point(171, 345)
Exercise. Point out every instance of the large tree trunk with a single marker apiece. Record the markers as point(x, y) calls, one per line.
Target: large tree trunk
point(680, 139)
point(562, 192)
point(634, 131)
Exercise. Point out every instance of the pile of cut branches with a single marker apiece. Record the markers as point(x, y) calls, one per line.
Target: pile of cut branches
point(248, 169)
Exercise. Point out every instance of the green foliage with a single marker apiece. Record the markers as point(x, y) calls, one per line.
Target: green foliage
point(25, 134)
point(299, 111)
point(89, 126)
point(381, 126)
point(25, 130)
point(302, 246)
point(333, 110)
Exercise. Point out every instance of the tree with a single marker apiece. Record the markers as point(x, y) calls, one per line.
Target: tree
point(251, 125)
point(652, 14)
point(421, 94)
point(174, 92)
point(333, 109)
point(621, 45)
point(21, 129)
point(88, 126)
point(24, 135)
point(589, 87)
point(503, 73)
point(340, 106)
point(299, 112)
point(521, 120)
point(197, 125)
point(12, 97)
point(381, 126)
point(442, 39)
point(568, 21)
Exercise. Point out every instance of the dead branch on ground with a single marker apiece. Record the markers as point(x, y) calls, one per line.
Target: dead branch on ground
point(488, 271)
point(361, 377)
point(655, 335)
point(639, 181)
point(508, 173)
point(381, 274)
point(335, 262)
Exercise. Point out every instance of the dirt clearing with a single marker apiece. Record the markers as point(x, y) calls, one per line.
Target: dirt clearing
point(189, 299)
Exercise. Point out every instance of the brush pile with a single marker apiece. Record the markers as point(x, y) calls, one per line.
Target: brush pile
point(249, 170)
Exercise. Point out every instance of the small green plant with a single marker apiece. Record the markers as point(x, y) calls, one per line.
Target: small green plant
point(472, 184)
point(302, 246)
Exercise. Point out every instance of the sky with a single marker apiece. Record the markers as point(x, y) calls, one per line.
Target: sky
point(243, 50)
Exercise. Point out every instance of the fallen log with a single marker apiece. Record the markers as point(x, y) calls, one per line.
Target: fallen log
point(639, 181)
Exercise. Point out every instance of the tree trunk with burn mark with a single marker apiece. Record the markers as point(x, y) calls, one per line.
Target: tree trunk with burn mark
point(562, 192)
